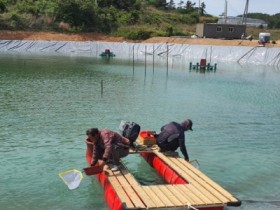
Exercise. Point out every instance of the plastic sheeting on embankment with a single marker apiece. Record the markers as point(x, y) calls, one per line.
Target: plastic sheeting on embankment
point(143, 51)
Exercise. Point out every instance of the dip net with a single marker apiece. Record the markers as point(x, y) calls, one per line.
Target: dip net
point(72, 178)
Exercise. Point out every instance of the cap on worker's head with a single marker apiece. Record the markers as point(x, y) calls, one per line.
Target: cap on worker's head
point(187, 124)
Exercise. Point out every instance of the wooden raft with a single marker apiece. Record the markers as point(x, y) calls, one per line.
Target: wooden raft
point(201, 192)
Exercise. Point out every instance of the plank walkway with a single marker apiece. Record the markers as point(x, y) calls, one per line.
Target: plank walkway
point(200, 192)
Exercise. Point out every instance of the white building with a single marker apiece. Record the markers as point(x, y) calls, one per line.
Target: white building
point(238, 21)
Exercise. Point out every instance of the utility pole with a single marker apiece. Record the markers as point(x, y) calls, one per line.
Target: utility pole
point(244, 19)
point(225, 12)
point(198, 11)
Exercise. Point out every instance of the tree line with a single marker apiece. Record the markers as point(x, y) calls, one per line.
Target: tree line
point(108, 16)
point(273, 21)
point(87, 15)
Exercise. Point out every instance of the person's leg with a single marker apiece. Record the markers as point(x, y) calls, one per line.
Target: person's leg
point(123, 152)
point(173, 145)
point(118, 153)
point(115, 155)
point(99, 154)
point(163, 146)
point(162, 149)
point(170, 148)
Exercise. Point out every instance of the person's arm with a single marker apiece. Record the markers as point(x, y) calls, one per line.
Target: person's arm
point(101, 162)
point(94, 155)
point(183, 148)
point(107, 138)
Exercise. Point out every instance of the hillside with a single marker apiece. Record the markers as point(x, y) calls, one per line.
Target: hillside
point(114, 20)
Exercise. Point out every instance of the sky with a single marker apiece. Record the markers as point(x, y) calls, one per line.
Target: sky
point(236, 7)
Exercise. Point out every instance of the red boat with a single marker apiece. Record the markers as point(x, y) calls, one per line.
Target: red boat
point(187, 188)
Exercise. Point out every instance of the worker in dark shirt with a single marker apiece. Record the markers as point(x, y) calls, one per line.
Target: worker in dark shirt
point(172, 136)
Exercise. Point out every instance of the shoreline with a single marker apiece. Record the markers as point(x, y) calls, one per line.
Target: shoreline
point(53, 36)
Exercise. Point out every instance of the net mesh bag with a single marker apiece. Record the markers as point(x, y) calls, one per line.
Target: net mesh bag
point(195, 163)
point(72, 178)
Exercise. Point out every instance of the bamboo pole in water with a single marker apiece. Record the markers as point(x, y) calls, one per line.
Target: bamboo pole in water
point(145, 61)
point(166, 58)
point(101, 88)
point(133, 59)
point(153, 59)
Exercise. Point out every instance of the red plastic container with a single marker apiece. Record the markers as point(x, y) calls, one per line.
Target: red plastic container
point(93, 170)
point(147, 137)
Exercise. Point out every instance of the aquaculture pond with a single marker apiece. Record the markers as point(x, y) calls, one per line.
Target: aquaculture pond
point(48, 102)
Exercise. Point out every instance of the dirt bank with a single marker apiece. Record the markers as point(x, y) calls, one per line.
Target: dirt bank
point(25, 35)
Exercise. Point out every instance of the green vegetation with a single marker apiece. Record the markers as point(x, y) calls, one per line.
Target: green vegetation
point(273, 20)
point(133, 19)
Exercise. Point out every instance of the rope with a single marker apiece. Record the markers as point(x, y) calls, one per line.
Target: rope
point(191, 207)
point(251, 50)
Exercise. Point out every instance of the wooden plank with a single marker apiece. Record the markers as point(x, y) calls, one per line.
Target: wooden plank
point(147, 201)
point(198, 196)
point(153, 196)
point(120, 192)
point(165, 199)
point(142, 148)
point(128, 189)
point(210, 182)
point(182, 196)
point(221, 194)
point(202, 186)
point(200, 192)
point(195, 176)
point(199, 186)
point(170, 195)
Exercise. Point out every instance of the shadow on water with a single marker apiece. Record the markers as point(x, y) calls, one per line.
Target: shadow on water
point(142, 171)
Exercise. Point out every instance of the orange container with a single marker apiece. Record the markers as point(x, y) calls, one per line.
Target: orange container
point(147, 137)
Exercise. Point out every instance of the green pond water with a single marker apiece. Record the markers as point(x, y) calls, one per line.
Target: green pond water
point(47, 103)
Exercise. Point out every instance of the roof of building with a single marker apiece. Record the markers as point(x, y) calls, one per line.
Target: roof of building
point(238, 20)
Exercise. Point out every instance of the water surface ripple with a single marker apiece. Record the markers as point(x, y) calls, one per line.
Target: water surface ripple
point(47, 103)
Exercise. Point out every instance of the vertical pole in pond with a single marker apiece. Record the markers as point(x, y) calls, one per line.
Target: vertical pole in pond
point(210, 54)
point(145, 61)
point(133, 59)
point(97, 48)
point(167, 58)
point(101, 88)
point(153, 59)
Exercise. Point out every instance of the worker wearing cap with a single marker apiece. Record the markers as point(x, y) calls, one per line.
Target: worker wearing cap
point(172, 136)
